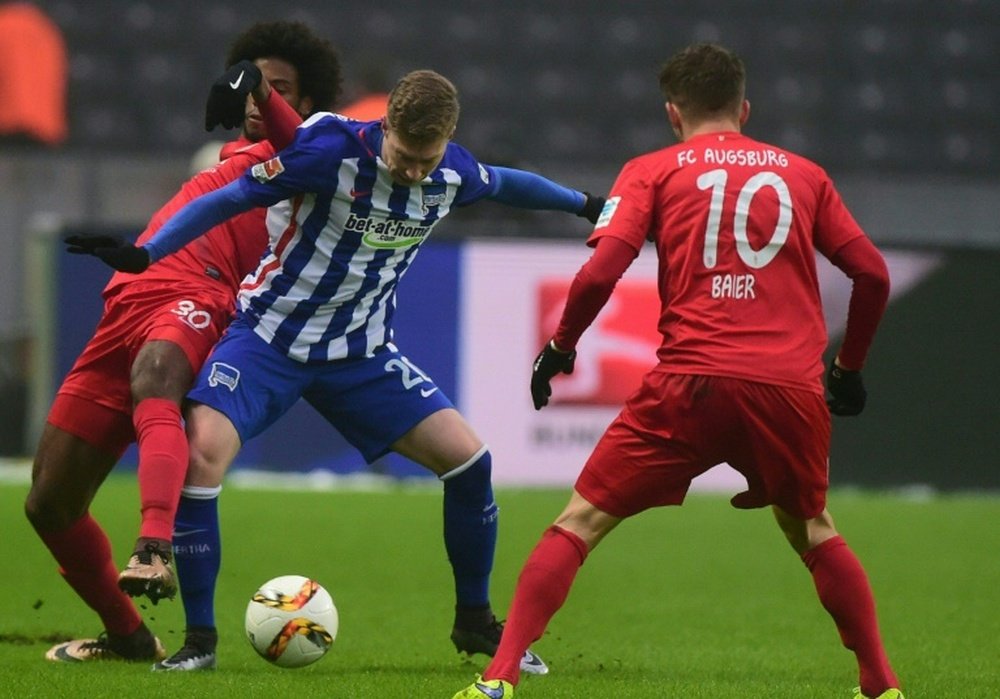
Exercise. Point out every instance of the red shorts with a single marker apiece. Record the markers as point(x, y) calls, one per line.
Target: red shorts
point(135, 314)
point(677, 426)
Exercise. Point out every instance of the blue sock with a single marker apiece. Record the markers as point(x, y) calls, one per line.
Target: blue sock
point(198, 553)
point(470, 528)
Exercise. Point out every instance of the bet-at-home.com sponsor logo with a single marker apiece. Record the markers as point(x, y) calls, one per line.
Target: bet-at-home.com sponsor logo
point(376, 233)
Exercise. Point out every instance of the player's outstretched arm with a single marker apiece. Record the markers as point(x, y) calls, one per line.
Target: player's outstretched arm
point(527, 190)
point(196, 218)
point(113, 250)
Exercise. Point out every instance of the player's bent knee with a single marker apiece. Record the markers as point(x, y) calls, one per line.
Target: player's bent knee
point(205, 472)
point(586, 521)
point(47, 513)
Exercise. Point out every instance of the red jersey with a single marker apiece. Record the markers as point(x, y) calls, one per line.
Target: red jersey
point(228, 252)
point(736, 224)
point(231, 250)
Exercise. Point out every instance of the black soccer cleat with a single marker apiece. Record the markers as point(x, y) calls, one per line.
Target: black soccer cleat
point(197, 653)
point(479, 631)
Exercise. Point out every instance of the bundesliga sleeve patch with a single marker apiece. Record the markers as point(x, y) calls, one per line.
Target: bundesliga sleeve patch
point(610, 206)
point(268, 170)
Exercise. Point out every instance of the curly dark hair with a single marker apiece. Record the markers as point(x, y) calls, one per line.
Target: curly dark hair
point(314, 58)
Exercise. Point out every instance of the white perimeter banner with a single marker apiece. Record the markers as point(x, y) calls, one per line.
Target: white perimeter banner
point(512, 296)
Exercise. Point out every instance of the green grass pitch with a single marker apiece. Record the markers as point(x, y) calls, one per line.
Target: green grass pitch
point(699, 601)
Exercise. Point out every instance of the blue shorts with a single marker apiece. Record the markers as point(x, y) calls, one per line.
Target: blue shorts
point(371, 401)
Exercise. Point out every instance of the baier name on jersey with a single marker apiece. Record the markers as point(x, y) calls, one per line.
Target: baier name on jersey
point(383, 233)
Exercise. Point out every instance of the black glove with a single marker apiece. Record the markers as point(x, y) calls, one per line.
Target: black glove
point(227, 100)
point(847, 391)
point(548, 363)
point(114, 250)
point(591, 208)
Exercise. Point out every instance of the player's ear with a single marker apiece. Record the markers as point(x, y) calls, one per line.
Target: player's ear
point(744, 112)
point(674, 116)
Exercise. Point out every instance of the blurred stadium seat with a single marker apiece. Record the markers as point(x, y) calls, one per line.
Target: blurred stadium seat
point(850, 84)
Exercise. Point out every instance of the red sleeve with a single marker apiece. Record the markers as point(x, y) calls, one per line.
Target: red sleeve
point(628, 213)
point(863, 263)
point(591, 289)
point(280, 120)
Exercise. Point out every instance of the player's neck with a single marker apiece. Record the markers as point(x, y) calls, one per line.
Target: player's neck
point(710, 126)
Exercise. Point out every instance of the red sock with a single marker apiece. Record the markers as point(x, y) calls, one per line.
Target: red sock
point(845, 593)
point(163, 461)
point(84, 556)
point(542, 588)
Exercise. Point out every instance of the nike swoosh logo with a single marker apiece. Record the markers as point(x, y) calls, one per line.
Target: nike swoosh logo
point(181, 535)
point(428, 392)
point(491, 692)
point(65, 657)
point(532, 664)
point(355, 193)
point(238, 80)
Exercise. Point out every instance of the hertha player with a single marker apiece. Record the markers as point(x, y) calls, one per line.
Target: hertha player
point(736, 225)
point(350, 205)
point(152, 338)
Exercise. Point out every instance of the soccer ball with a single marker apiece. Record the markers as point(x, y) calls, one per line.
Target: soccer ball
point(291, 621)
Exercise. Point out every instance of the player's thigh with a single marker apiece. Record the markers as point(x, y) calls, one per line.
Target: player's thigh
point(652, 451)
point(375, 402)
point(65, 476)
point(785, 454)
point(161, 370)
point(440, 442)
point(179, 331)
point(213, 444)
point(249, 382)
point(100, 374)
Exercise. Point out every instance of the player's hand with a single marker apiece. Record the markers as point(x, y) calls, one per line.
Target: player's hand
point(847, 390)
point(227, 100)
point(113, 250)
point(548, 363)
point(592, 207)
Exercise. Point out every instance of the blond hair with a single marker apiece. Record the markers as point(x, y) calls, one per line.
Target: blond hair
point(423, 107)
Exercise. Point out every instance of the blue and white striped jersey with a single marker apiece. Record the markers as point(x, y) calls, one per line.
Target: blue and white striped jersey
point(325, 289)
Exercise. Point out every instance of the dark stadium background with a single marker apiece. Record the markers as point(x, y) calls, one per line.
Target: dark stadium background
point(898, 100)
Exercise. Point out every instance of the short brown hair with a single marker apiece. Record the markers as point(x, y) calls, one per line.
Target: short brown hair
point(423, 107)
point(704, 79)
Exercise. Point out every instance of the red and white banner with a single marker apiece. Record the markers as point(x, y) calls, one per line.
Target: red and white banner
point(513, 294)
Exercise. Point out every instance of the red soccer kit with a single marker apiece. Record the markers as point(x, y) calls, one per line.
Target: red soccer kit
point(736, 224)
point(187, 298)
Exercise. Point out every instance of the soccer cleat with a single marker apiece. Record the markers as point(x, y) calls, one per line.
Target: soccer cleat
point(139, 646)
point(487, 689)
point(150, 571)
point(532, 664)
point(197, 653)
point(482, 635)
point(887, 694)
